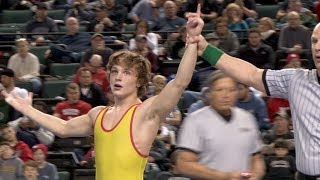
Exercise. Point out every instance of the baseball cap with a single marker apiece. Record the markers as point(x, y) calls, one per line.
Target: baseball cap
point(211, 36)
point(282, 114)
point(43, 147)
point(141, 37)
point(292, 56)
point(7, 72)
point(96, 35)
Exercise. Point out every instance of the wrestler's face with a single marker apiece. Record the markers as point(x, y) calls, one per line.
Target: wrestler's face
point(123, 81)
point(223, 94)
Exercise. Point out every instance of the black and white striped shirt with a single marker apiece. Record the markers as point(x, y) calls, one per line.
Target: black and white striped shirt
point(302, 89)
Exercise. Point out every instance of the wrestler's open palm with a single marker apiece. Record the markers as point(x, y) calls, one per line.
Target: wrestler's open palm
point(17, 102)
point(195, 23)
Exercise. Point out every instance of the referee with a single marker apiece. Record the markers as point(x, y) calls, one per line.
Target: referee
point(300, 86)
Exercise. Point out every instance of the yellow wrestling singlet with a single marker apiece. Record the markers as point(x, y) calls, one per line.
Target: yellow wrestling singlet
point(115, 154)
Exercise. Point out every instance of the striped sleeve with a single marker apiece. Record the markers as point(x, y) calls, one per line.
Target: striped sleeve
point(276, 82)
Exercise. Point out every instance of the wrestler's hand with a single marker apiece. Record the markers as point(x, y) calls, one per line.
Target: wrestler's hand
point(17, 102)
point(194, 25)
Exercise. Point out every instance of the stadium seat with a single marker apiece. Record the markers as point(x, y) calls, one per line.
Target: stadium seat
point(56, 14)
point(82, 28)
point(25, 85)
point(9, 29)
point(16, 16)
point(54, 88)
point(39, 51)
point(64, 175)
point(267, 11)
point(208, 27)
point(84, 174)
point(169, 67)
point(6, 51)
point(130, 28)
point(63, 70)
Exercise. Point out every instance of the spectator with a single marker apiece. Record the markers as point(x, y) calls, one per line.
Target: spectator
point(8, 82)
point(248, 7)
point(98, 46)
point(31, 171)
point(47, 171)
point(307, 18)
point(285, 6)
point(293, 61)
point(81, 10)
point(209, 11)
point(41, 24)
point(294, 38)
point(89, 91)
point(26, 65)
point(75, 40)
point(142, 27)
point(30, 132)
point(280, 130)
point(98, 28)
point(98, 73)
point(256, 52)
point(109, 13)
point(281, 166)
point(177, 45)
point(268, 31)
point(174, 118)
point(205, 152)
point(73, 106)
point(88, 160)
point(149, 11)
point(10, 164)
point(22, 149)
point(234, 14)
point(202, 102)
point(170, 22)
point(229, 41)
point(254, 104)
point(143, 49)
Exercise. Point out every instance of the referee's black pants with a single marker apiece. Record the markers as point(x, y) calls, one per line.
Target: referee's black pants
point(302, 176)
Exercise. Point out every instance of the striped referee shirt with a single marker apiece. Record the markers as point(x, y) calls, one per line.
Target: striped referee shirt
point(302, 89)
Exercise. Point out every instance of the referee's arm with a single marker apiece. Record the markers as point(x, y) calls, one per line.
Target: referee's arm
point(238, 69)
point(258, 166)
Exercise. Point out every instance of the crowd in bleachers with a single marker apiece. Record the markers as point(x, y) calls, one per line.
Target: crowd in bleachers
point(59, 49)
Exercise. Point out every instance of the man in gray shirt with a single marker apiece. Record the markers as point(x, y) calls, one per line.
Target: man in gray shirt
point(220, 141)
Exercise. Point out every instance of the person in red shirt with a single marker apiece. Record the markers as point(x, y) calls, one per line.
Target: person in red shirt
point(73, 106)
point(99, 75)
point(23, 151)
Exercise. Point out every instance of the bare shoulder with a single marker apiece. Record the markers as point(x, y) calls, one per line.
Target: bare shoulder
point(93, 113)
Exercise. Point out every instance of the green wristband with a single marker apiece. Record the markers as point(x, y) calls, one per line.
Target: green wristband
point(212, 54)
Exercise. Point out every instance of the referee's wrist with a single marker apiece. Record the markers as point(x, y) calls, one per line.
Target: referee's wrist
point(212, 54)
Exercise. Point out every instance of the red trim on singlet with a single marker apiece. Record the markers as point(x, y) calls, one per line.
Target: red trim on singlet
point(107, 107)
point(131, 136)
point(106, 130)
